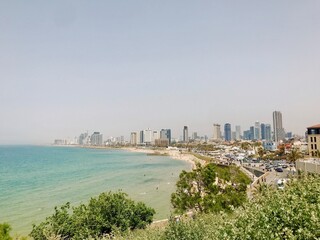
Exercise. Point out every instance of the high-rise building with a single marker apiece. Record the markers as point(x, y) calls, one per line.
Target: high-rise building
point(238, 133)
point(233, 136)
point(216, 132)
point(246, 135)
point(278, 130)
point(166, 134)
point(155, 135)
point(134, 138)
point(141, 137)
point(194, 135)
point(96, 139)
point(83, 138)
point(268, 132)
point(257, 131)
point(263, 131)
point(185, 134)
point(227, 132)
point(251, 133)
point(147, 136)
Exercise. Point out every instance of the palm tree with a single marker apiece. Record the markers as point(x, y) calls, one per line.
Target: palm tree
point(293, 156)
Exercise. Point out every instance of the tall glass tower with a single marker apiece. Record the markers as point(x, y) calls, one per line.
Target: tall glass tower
point(227, 132)
point(185, 134)
point(278, 129)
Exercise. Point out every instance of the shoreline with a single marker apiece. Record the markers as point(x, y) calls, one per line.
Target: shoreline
point(171, 153)
point(164, 152)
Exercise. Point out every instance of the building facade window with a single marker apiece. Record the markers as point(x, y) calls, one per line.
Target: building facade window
point(315, 139)
point(311, 139)
point(315, 147)
point(312, 146)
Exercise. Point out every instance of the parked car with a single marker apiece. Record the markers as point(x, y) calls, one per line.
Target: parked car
point(279, 169)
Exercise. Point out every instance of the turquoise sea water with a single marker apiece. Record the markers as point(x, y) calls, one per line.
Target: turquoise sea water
point(35, 179)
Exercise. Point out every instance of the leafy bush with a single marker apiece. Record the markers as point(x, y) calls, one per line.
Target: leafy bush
point(210, 188)
point(107, 213)
point(186, 229)
point(5, 229)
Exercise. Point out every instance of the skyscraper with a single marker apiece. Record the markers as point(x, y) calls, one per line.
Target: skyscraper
point(216, 132)
point(251, 133)
point(263, 131)
point(194, 135)
point(134, 138)
point(268, 132)
point(278, 129)
point(246, 135)
point(227, 132)
point(141, 137)
point(96, 139)
point(155, 135)
point(166, 134)
point(257, 131)
point(147, 136)
point(238, 132)
point(83, 138)
point(185, 134)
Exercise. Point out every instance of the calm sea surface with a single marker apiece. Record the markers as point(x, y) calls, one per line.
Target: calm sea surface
point(33, 180)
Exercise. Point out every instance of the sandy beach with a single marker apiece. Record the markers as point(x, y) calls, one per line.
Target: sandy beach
point(172, 153)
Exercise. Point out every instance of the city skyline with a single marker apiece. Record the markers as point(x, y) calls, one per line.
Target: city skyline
point(117, 66)
point(257, 131)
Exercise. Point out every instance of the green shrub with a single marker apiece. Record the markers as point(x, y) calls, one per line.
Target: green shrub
point(210, 188)
point(107, 213)
point(5, 229)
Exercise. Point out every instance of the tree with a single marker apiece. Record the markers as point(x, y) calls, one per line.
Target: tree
point(245, 146)
point(5, 229)
point(281, 150)
point(294, 155)
point(103, 215)
point(210, 189)
point(260, 152)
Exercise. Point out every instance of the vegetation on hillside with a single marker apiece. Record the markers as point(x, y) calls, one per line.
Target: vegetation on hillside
point(210, 188)
point(292, 213)
point(107, 213)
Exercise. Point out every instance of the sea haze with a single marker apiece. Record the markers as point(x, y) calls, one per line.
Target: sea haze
point(33, 180)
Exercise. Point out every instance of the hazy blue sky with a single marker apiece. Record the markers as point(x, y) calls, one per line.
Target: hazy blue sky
point(119, 66)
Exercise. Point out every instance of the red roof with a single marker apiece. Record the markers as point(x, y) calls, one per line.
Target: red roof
point(315, 126)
